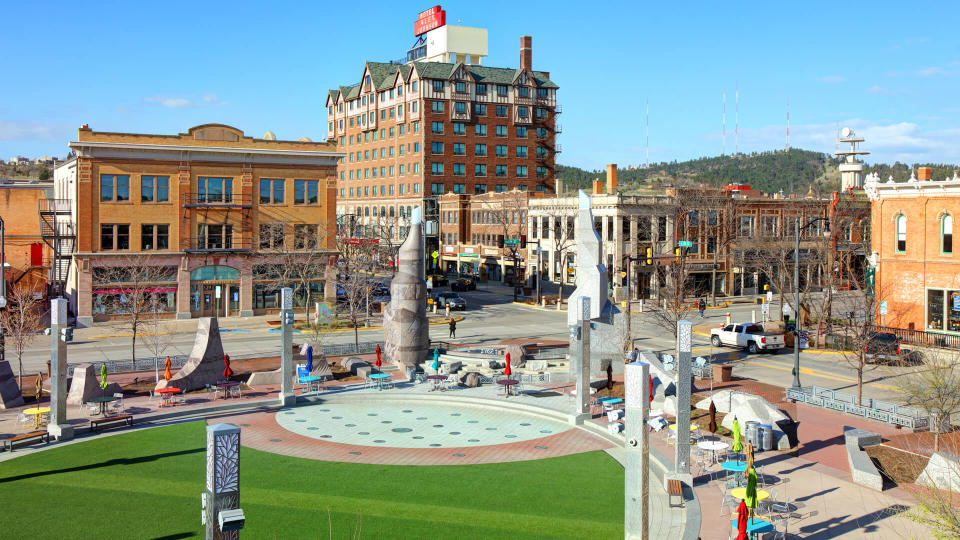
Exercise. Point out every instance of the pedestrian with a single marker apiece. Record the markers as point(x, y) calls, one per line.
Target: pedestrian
point(701, 305)
point(453, 328)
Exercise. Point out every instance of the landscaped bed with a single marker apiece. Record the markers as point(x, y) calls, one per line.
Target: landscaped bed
point(147, 484)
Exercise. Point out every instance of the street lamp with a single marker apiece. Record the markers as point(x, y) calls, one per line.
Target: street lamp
point(796, 289)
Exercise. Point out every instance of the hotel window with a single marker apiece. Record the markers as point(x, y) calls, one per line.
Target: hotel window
point(541, 113)
point(413, 108)
point(459, 169)
point(541, 152)
point(501, 171)
point(543, 93)
point(522, 132)
point(212, 189)
point(154, 188)
point(436, 127)
point(436, 147)
point(541, 133)
point(460, 107)
point(211, 236)
point(305, 192)
point(114, 187)
point(401, 130)
point(901, 233)
point(416, 185)
point(460, 86)
point(501, 131)
point(413, 86)
point(401, 174)
point(481, 89)
point(523, 91)
point(502, 111)
point(271, 191)
point(436, 168)
point(946, 233)
point(480, 109)
point(459, 128)
point(502, 90)
point(459, 149)
point(392, 171)
point(391, 112)
point(480, 149)
point(436, 189)
point(459, 188)
point(438, 86)
point(480, 130)
point(383, 114)
point(400, 90)
point(114, 236)
point(154, 237)
point(480, 188)
point(304, 236)
point(521, 171)
point(521, 151)
point(541, 173)
point(522, 112)
point(436, 106)
point(501, 188)
point(501, 150)
point(391, 132)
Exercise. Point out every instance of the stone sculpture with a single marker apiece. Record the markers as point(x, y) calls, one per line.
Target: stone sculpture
point(85, 385)
point(205, 365)
point(406, 333)
point(10, 396)
point(607, 323)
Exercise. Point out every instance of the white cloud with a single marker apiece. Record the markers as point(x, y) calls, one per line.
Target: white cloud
point(931, 71)
point(883, 91)
point(832, 79)
point(207, 100)
point(33, 131)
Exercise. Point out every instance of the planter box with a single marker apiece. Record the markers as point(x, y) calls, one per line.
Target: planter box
point(722, 373)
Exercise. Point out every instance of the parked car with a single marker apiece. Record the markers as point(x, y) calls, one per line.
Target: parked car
point(749, 336)
point(882, 348)
point(452, 299)
point(439, 280)
point(463, 284)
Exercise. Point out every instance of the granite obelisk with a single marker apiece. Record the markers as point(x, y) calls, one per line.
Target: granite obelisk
point(406, 332)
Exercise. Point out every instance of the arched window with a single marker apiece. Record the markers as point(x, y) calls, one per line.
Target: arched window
point(946, 234)
point(901, 233)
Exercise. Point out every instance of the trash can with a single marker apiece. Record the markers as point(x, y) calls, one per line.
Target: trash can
point(753, 434)
point(766, 436)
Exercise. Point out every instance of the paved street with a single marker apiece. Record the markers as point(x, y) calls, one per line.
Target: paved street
point(490, 317)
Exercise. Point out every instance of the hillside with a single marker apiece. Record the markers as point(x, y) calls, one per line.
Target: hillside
point(791, 171)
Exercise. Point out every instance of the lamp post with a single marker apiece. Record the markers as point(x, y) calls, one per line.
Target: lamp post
point(796, 289)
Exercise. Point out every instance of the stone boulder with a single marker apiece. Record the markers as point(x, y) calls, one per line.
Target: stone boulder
point(470, 379)
point(454, 367)
point(517, 353)
point(10, 395)
point(942, 471)
point(748, 407)
point(86, 385)
point(205, 365)
point(347, 362)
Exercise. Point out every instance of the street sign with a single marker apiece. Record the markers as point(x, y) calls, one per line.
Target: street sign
point(685, 243)
point(511, 242)
point(883, 307)
point(218, 291)
point(435, 254)
point(769, 296)
point(765, 308)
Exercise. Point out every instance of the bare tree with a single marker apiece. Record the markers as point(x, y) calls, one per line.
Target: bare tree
point(356, 263)
point(938, 506)
point(21, 322)
point(934, 388)
point(154, 337)
point(508, 213)
point(564, 241)
point(720, 225)
point(298, 264)
point(673, 306)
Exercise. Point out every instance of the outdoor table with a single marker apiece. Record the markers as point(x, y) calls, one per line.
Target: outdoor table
point(37, 414)
point(166, 394)
point(226, 386)
point(613, 401)
point(741, 493)
point(380, 378)
point(713, 446)
point(693, 427)
point(310, 379)
point(103, 400)
point(755, 526)
point(437, 379)
point(736, 467)
point(507, 384)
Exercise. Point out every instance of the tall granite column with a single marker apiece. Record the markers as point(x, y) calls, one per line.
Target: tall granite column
point(58, 426)
point(637, 452)
point(286, 354)
point(223, 478)
point(582, 361)
point(684, 343)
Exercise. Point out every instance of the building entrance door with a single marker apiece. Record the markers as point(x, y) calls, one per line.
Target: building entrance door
point(207, 304)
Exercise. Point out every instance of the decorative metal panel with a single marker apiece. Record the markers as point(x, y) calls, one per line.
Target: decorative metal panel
point(635, 385)
point(684, 336)
point(228, 462)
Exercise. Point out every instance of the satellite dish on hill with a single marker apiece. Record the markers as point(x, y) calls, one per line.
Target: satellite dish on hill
point(846, 132)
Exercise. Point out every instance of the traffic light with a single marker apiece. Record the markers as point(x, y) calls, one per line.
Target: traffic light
point(500, 241)
point(523, 241)
point(649, 256)
point(678, 253)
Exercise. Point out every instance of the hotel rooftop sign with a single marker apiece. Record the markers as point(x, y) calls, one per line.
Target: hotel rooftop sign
point(429, 19)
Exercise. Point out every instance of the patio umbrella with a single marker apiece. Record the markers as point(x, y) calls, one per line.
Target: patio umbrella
point(103, 376)
point(310, 357)
point(227, 372)
point(166, 369)
point(436, 360)
point(742, 516)
point(737, 443)
point(751, 495)
point(379, 354)
point(507, 371)
point(651, 388)
point(39, 392)
point(713, 418)
point(748, 450)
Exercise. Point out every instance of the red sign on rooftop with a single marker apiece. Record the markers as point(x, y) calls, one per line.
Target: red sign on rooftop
point(429, 19)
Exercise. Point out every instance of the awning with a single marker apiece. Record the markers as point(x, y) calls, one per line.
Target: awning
point(129, 291)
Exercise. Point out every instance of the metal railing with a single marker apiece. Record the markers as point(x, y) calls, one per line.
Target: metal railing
point(920, 337)
point(868, 408)
point(208, 243)
point(224, 200)
point(53, 205)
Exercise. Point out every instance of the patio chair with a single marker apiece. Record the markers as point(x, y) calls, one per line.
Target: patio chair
point(117, 406)
point(727, 502)
point(452, 381)
point(212, 392)
point(235, 391)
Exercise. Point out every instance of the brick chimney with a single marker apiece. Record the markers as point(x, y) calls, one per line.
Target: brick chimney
point(924, 173)
point(611, 178)
point(526, 52)
point(597, 186)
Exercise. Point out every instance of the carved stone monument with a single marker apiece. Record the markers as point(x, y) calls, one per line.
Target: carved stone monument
point(405, 328)
point(205, 365)
point(223, 479)
point(580, 350)
point(637, 452)
point(58, 426)
point(84, 385)
point(10, 395)
point(607, 323)
point(287, 370)
point(684, 378)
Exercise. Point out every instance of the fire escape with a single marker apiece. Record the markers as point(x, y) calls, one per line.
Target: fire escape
point(57, 231)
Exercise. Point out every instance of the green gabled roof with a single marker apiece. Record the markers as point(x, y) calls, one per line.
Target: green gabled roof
point(333, 95)
point(482, 74)
point(381, 73)
point(350, 92)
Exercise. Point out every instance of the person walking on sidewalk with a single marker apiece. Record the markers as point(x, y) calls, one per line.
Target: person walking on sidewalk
point(701, 306)
point(453, 328)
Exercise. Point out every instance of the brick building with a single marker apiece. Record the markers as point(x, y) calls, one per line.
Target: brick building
point(416, 131)
point(27, 256)
point(213, 208)
point(917, 265)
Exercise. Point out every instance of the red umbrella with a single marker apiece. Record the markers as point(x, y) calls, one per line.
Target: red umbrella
point(742, 515)
point(227, 372)
point(379, 352)
point(507, 371)
point(651, 388)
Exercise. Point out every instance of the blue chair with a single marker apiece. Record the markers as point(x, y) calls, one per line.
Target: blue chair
point(302, 373)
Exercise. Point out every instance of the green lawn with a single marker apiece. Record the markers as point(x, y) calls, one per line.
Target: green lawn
point(147, 484)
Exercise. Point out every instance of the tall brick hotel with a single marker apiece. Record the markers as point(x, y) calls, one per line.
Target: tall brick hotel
point(439, 122)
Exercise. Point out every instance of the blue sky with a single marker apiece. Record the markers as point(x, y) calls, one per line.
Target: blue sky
point(890, 70)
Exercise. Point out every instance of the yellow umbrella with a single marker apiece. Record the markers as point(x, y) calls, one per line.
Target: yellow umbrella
point(749, 452)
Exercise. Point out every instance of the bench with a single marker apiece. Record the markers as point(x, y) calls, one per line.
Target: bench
point(120, 418)
point(675, 489)
point(43, 435)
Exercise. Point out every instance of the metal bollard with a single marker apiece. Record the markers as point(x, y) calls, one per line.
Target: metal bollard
point(753, 316)
point(728, 318)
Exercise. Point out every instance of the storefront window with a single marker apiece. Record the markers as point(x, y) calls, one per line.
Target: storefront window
point(119, 301)
point(205, 273)
point(953, 311)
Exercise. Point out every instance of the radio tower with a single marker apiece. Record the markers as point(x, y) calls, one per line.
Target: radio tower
point(647, 159)
point(736, 125)
point(723, 121)
point(788, 124)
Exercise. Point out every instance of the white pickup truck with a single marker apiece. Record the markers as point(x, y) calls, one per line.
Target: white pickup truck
point(749, 336)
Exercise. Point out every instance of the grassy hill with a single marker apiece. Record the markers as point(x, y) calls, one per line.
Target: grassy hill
point(790, 171)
